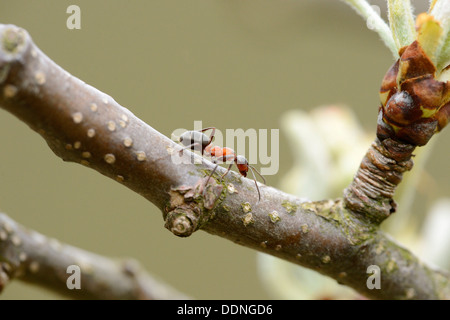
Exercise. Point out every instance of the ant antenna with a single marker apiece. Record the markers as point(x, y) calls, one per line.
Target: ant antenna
point(259, 174)
point(254, 179)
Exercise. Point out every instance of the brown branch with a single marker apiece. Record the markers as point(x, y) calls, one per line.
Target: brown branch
point(34, 258)
point(83, 125)
point(372, 190)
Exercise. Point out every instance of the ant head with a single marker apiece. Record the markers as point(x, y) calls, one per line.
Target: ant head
point(242, 165)
point(241, 160)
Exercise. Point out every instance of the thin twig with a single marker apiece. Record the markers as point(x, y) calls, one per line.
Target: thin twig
point(34, 258)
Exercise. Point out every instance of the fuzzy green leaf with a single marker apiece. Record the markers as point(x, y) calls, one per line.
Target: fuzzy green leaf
point(363, 8)
point(401, 21)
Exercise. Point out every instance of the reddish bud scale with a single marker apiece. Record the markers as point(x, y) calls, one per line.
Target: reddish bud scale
point(414, 105)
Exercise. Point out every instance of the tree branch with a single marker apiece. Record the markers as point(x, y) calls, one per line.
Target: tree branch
point(84, 125)
point(31, 257)
point(372, 190)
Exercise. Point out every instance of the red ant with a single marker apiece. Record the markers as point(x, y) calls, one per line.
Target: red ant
point(193, 139)
point(226, 154)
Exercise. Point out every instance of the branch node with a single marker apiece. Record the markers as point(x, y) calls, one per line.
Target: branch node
point(13, 45)
point(191, 206)
point(182, 221)
point(13, 39)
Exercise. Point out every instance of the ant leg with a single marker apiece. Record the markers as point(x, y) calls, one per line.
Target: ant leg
point(228, 170)
point(206, 129)
point(191, 146)
point(256, 184)
point(211, 136)
point(212, 172)
point(213, 132)
point(181, 150)
point(209, 177)
point(261, 176)
point(209, 128)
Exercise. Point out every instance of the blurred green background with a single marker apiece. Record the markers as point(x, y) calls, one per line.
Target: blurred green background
point(229, 63)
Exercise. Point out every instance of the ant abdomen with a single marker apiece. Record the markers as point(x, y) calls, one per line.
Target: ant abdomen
point(195, 139)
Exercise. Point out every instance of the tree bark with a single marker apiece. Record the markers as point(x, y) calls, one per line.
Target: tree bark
point(83, 125)
point(36, 259)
